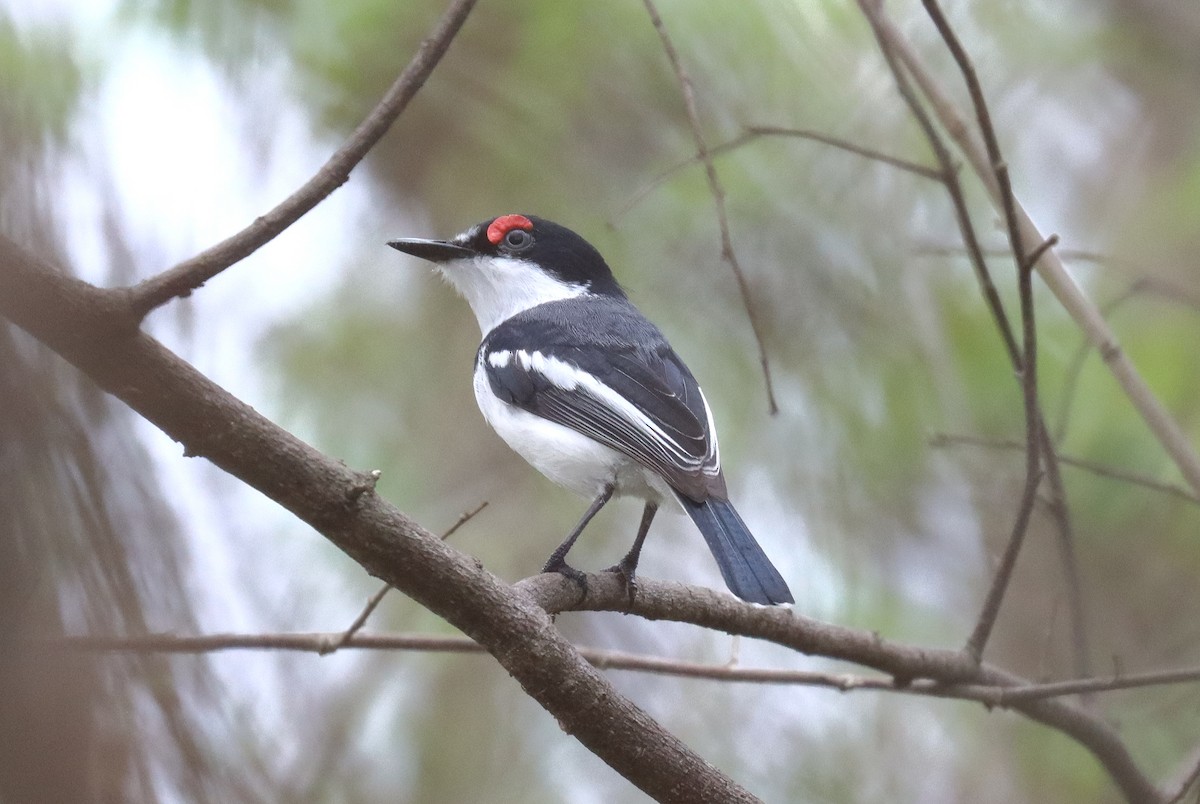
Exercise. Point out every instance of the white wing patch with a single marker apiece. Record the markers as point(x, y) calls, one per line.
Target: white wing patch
point(570, 378)
point(560, 374)
point(714, 451)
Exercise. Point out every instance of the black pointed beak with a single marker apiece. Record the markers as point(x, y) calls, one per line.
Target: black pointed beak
point(432, 250)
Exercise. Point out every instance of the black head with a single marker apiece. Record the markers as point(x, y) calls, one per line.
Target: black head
point(555, 249)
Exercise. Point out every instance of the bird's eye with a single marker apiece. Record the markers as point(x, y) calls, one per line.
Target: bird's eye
point(517, 240)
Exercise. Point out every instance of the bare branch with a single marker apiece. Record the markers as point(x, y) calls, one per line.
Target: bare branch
point(602, 659)
point(377, 598)
point(321, 643)
point(937, 250)
point(718, 194)
point(1061, 513)
point(463, 518)
point(1005, 695)
point(334, 645)
point(1157, 678)
point(907, 665)
point(1028, 370)
point(1144, 285)
point(1022, 360)
point(868, 153)
point(1008, 561)
point(1074, 367)
point(753, 133)
point(999, 168)
point(1094, 467)
point(1053, 272)
point(976, 253)
point(949, 175)
point(194, 272)
point(1035, 255)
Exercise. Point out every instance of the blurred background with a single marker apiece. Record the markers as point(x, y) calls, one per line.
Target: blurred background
point(134, 134)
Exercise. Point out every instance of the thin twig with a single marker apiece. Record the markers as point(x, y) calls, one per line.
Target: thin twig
point(718, 194)
point(1058, 689)
point(463, 518)
point(1144, 285)
point(937, 250)
point(1061, 513)
point(377, 598)
point(1029, 386)
point(1100, 469)
point(1035, 255)
point(194, 272)
point(983, 115)
point(372, 603)
point(1017, 355)
point(916, 168)
point(1003, 695)
point(976, 253)
point(1008, 561)
point(662, 177)
point(1074, 367)
point(949, 176)
point(752, 133)
point(301, 642)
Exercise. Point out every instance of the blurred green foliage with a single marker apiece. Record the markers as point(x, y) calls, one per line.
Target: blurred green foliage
point(38, 87)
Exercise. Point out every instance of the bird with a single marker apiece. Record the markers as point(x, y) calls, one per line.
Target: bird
point(579, 383)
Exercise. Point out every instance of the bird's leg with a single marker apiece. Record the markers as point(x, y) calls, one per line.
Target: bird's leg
point(627, 566)
point(558, 559)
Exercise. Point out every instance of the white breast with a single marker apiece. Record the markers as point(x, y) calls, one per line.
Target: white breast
point(568, 458)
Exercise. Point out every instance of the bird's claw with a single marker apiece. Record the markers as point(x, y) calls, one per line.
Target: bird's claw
point(564, 569)
point(628, 576)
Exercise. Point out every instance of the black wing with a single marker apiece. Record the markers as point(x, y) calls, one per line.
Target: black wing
point(617, 380)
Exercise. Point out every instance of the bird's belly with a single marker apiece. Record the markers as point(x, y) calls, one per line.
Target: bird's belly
point(567, 457)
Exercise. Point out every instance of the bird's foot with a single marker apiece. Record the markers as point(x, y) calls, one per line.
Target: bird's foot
point(627, 571)
point(559, 565)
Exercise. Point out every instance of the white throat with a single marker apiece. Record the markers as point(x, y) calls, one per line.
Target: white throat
point(497, 288)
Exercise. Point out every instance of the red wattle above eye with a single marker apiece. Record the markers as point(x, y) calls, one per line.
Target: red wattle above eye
point(505, 224)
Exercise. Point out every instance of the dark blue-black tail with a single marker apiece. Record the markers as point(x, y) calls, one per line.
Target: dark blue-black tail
point(747, 571)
